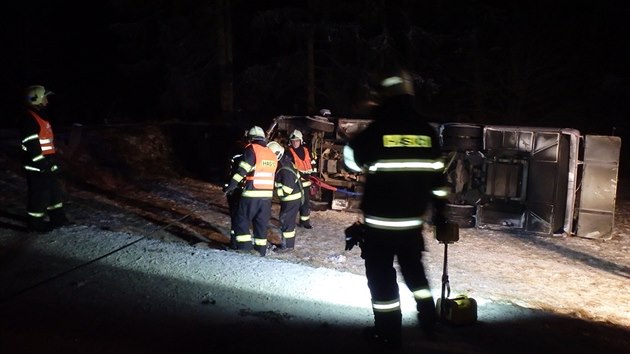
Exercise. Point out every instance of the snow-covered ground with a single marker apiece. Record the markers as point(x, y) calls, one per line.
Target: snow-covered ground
point(145, 270)
point(86, 289)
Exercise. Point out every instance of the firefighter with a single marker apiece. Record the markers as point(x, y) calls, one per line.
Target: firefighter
point(305, 164)
point(400, 156)
point(234, 197)
point(257, 170)
point(45, 197)
point(289, 191)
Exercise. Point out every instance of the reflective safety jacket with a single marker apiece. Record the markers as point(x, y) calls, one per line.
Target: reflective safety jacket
point(37, 140)
point(288, 185)
point(399, 151)
point(257, 168)
point(303, 162)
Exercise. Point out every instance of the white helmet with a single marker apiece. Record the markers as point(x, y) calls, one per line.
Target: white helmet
point(297, 135)
point(35, 95)
point(325, 112)
point(276, 148)
point(256, 133)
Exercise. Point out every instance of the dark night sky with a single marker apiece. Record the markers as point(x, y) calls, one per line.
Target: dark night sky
point(530, 63)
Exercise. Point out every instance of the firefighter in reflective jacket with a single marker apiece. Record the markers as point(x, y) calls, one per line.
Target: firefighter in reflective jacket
point(289, 191)
point(38, 157)
point(305, 164)
point(400, 155)
point(234, 197)
point(257, 168)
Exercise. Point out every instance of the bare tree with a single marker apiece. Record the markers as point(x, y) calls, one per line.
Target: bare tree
point(225, 60)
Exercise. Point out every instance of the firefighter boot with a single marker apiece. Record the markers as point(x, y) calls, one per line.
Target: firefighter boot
point(233, 243)
point(281, 247)
point(427, 317)
point(261, 249)
point(306, 224)
point(386, 333)
point(58, 218)
point(290, 242)
point(240, 245)
point(38, 224)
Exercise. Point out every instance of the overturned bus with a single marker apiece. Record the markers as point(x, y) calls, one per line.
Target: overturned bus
point(551, 181)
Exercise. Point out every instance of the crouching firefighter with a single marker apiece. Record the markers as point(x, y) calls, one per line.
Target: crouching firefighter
point(257, 168)
point(38, 158)
point(399, 153)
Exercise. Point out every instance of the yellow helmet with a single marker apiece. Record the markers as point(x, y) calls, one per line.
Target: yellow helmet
point(256, 133)
point(35, 95)
point(276, 148)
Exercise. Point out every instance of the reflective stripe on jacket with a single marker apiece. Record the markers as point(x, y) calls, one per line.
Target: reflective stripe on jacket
point(401, 165)
point(263, 173)
point(392, 223)
point(287, 184)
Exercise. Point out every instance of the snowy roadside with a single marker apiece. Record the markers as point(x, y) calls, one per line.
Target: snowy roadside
point(583, 278)
point(181, 284)
point(85, 289)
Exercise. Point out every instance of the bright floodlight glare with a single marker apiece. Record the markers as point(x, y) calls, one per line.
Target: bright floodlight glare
point(354, 292)
point(314, 294)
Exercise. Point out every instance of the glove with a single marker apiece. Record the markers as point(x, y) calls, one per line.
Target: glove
point(47, 165)
point(354, 235)
point(228, 189)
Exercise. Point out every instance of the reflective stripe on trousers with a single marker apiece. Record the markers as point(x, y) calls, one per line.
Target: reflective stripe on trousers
point(386, 306)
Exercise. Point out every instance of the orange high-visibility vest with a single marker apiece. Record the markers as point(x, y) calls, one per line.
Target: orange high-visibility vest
point(302, 165)
point(264, 172)
point(45, 134)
